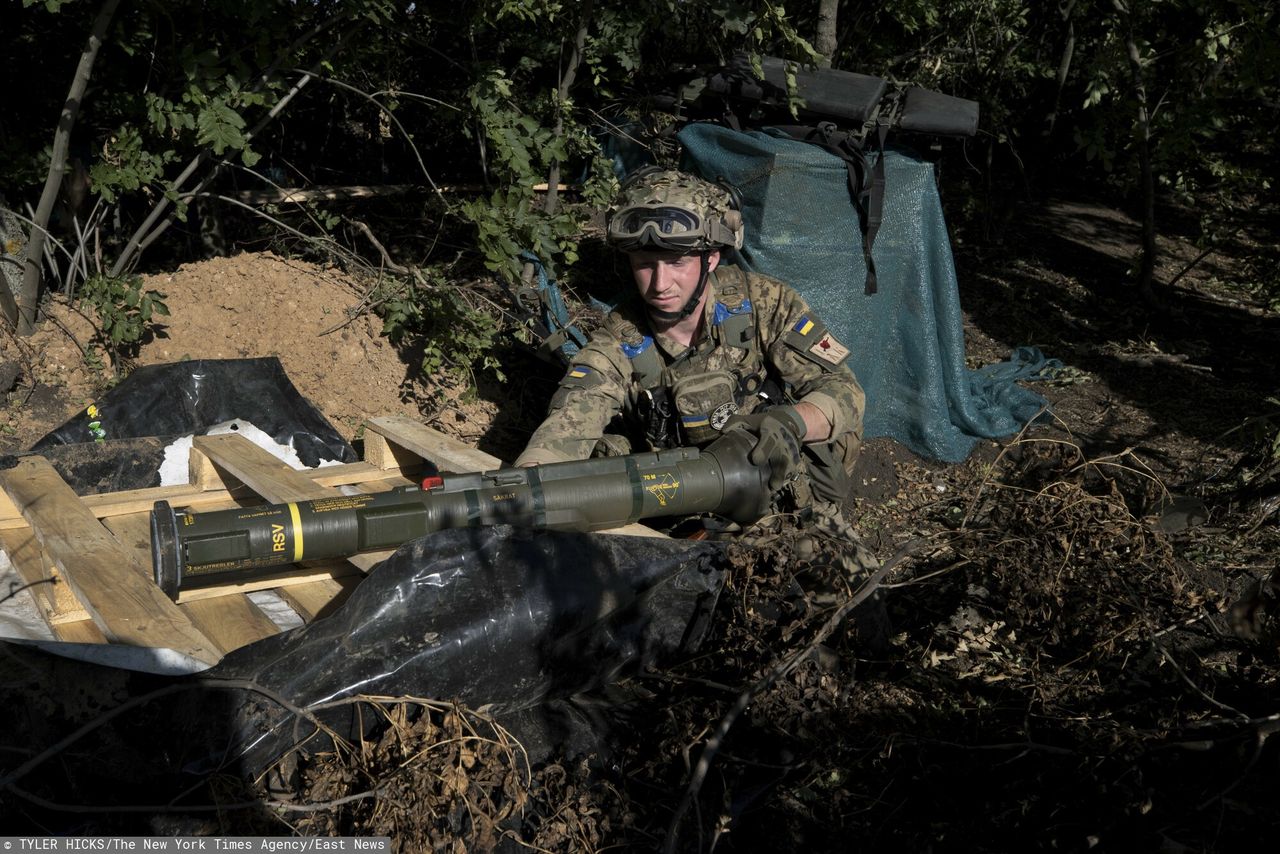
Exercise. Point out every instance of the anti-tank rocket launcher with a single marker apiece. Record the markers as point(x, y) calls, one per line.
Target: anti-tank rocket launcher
point(199, 549)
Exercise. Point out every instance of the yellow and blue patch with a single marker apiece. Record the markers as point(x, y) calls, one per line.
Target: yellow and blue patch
point(804, 325)
point(691, 421)
point(580, 376)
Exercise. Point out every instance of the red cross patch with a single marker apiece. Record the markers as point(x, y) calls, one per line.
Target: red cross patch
point(828, 349)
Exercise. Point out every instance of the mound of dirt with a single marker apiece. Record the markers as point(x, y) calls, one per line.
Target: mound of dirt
point(246, 306)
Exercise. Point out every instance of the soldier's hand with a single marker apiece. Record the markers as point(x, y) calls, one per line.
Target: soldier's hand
point(778, 432)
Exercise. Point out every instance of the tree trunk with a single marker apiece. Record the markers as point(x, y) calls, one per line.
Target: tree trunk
point(824, 40)
point(29, 297)
point(1146, 179)
point(1064, 66)
point(566, 83)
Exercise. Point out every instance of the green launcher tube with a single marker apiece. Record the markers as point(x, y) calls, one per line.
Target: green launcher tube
point(197, 549)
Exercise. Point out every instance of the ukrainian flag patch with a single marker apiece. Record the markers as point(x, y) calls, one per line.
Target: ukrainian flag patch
point(690, 421)
point(578, 372)
point(804, 325)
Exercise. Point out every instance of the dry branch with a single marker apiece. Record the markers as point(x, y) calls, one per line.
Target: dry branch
point(779, 671)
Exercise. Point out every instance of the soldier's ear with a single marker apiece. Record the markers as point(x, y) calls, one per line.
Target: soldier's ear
point(713, 259)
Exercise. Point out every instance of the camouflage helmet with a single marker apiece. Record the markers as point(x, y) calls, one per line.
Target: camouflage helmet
point(673, 211)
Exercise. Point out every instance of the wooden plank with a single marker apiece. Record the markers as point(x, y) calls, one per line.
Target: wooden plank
point(259, 470)
point(230, 621)
point(204, 475)
point(294, 576)
point(388, 456)
point(54, 598)
point(134, 533)
point(448, 454)
point(129, 502)
point(197, 497)
point(80, 631)
point(317, 600)
point(56, 602)
point(105, 576)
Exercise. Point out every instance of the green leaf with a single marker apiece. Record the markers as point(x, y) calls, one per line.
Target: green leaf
point(219, 127)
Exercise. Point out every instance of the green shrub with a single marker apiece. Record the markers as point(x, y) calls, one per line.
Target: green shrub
point(454, 338)
point(126, 312)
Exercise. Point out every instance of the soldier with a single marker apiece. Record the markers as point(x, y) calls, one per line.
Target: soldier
point(702, 347)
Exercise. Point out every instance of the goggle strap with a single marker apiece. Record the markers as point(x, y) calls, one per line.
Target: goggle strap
point(717, 233)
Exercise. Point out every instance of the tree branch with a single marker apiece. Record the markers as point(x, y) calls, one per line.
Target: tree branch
point(29, 296)
point(145, 234)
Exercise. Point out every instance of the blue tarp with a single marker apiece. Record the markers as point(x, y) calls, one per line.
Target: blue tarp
point(906, 340)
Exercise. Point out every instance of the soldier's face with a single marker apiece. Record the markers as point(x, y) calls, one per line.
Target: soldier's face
point(666, 280)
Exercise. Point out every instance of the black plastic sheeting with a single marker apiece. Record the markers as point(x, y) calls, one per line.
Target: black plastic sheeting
point(518, 621)
point(112, 465)
point(494, 616)
point(168, 401)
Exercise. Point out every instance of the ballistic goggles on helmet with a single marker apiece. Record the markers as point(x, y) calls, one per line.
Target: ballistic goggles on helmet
point(672, 211)
point(662, 226)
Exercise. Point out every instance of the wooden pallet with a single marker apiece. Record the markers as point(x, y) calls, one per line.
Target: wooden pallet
point(89, 558)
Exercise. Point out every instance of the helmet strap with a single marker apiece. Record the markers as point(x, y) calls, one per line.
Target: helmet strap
point(677, 316)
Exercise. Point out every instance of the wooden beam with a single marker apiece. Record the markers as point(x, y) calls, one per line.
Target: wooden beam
point(312, 601)
point(80, 631)
point(231, 621)
point(197, 497)
point(258, 469)
point(133, 532)
point(388, 456)
point(445, 452)
point(449, 454)
point(106, 576)
point(300, 575)
point(55, 600)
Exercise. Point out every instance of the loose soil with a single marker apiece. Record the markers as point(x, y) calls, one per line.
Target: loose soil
point(1082, 649)
point(246, 306)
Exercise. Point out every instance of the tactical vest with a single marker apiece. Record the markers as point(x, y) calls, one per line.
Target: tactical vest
point(687, 401)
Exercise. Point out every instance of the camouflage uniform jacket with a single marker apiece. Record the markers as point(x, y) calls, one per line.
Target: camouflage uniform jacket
point(658, 393)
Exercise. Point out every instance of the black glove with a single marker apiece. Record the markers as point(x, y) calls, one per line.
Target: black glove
point(778, 432)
